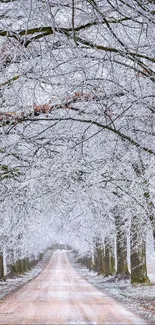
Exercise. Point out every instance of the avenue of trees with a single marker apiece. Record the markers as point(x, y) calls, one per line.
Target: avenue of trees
point(77, 136)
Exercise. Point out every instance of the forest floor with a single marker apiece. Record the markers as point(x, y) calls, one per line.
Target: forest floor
point(60, 295)
point(140, 299)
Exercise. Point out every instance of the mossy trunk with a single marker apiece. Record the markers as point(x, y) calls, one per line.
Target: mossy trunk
point(154, 238)
point(13, 269)
point(27, 264)
point(138, 254)
point(20, 266)
point(1, 268)
point(113, 269)
point(89, 263)
point(86, 261)
point(121, 247)
point(23, 265)
point(41, 256)
point(98, 259)
point(5, 261)
point(17, 268)
point(109, 259)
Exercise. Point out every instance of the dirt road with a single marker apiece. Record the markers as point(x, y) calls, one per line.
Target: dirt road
point(61, 296)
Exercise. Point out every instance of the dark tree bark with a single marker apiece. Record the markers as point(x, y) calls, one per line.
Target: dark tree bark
point(1, 268)
point(109, 259)
point(86, 261)
point(121, 247)
point(138, 254)
point(98, 259)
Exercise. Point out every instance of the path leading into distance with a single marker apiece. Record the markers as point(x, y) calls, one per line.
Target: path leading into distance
point(59, 295)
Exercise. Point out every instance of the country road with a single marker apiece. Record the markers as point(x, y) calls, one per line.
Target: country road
point(59, 295)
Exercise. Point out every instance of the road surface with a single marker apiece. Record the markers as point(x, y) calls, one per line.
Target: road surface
point(59, 295)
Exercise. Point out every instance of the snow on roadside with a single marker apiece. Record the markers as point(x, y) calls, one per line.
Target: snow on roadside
point(151, 266)
point(11, 284)
point(139, 299)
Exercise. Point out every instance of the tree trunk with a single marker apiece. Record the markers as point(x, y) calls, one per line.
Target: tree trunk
point(98, 257)
point(86, 261)
point(17, 267)
point(98, 265)
point(5, 261)
point(1, 268)
point(138, 254)
point(154, 238)
point(26, 265)
point(109, 260)
point(89, 263)
point(121, 247)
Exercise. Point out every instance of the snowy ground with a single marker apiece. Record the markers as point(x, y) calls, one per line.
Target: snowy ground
point(59, 295)
point(138, 298)
point(11, 284)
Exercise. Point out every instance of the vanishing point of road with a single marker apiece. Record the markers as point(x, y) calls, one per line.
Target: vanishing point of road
point(59, 295)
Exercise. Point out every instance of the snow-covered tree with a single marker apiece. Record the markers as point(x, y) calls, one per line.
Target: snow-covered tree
point(77, 127)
